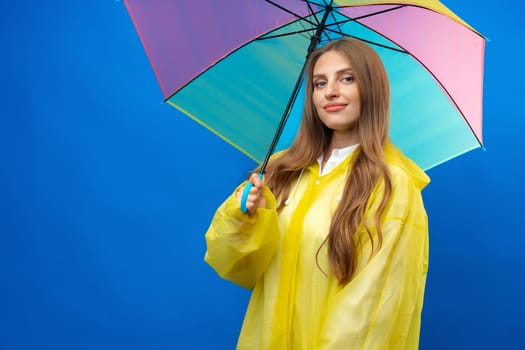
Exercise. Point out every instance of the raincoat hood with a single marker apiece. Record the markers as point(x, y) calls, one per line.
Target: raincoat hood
point(396, 158)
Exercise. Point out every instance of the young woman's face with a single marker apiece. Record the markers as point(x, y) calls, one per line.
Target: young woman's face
point(336, 95)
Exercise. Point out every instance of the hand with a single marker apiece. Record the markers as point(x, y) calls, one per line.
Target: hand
point(255, 197)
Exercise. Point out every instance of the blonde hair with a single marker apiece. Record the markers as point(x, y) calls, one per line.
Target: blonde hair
point(369, 166)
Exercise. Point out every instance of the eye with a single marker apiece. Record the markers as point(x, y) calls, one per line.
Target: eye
point(319, 84)
point(348, 79)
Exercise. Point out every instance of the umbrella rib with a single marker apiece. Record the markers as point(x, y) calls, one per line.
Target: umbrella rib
point(315, 3)
point(336, 23)
point(374, 13)
point(312, 12)
point(368, 41)
point(339, 31)
point(355, 19)
point(285, 34)
point(291, 12)
point(303, 25)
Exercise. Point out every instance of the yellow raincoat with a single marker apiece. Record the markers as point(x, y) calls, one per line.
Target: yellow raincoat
point(296, 301)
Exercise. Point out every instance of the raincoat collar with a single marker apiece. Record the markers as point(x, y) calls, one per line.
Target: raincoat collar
point(393, 156)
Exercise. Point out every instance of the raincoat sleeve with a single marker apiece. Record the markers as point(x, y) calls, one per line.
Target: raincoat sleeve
point(240, 246)
point(380, 308)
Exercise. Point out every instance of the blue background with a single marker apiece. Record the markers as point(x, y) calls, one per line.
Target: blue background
point(106, 193)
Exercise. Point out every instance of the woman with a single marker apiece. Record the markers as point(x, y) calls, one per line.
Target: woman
point(334, 243)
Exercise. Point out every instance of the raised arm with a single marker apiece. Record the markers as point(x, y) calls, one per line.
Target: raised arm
point(241, 245)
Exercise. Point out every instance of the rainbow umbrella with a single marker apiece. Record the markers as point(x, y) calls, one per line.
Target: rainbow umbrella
point(236, 67)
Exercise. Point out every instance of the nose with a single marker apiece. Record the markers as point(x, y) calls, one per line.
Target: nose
point(331, 90)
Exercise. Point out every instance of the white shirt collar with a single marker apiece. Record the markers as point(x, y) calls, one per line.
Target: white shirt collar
point(337, 156)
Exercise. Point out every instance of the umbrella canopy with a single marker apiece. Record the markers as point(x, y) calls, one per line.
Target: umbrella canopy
point(232, 66)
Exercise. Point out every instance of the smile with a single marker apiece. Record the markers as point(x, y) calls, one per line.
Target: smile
point(334, 107)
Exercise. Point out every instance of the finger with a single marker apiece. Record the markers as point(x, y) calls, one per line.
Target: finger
point(239, 192)
point(253, 198)
point(250, 197)
point(251, 206)
point(254, 191)
point(255, 179)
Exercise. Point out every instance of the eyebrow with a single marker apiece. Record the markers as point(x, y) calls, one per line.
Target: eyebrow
point(342, 70)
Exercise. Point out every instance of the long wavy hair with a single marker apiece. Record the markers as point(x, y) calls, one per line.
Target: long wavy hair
point(369, 165)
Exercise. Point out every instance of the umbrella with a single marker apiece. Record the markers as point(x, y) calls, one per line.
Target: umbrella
point(236, 67)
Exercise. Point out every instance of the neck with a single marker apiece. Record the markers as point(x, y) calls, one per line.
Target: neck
point(342, 140)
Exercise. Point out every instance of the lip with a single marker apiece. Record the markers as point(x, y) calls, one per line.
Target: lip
point(334, 107)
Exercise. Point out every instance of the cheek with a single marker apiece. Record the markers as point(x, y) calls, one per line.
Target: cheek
point(316, 100)
point(353, 92)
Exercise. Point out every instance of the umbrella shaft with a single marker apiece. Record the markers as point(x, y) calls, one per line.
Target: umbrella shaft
point(314, 41)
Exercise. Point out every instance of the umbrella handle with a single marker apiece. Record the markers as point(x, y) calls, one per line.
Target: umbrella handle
point(245, 194)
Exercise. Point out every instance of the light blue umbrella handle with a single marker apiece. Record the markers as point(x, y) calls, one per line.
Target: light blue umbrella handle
point(245, 194)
